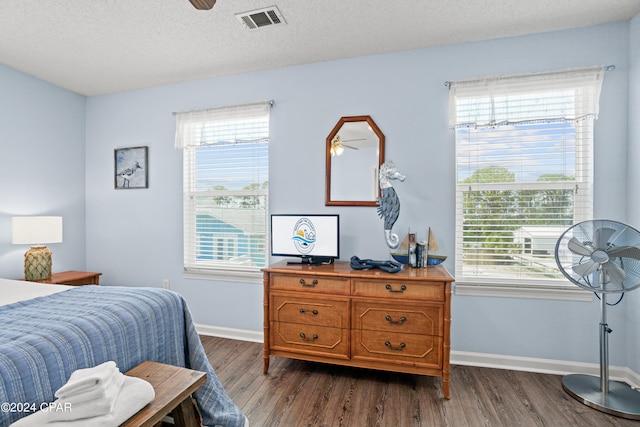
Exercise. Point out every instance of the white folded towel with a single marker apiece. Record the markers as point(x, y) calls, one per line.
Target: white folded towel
point(82, 380)
point(134, 395)
point(106, 391)
point(88, 408)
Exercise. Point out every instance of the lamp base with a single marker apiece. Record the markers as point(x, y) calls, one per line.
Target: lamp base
point(37, 264)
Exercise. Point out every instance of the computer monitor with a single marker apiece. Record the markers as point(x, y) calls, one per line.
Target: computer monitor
point(311, 239)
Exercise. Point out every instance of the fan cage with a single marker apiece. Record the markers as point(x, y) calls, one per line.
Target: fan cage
point(601, 236)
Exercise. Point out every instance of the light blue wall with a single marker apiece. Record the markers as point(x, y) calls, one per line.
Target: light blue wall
point(633, 306)
point(42, 166)
point(135, 238)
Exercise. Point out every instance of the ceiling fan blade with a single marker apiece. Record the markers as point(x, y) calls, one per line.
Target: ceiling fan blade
point(203, 4)
point(341, 142)
point(624, 252)
point(615, 273)
point(585, 268)
point(601, 237)
point(578, 248)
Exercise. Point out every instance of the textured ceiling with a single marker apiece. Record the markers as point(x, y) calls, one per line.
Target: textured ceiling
point(95, 47)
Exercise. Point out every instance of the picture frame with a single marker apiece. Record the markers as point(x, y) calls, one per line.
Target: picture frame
point(131, 168)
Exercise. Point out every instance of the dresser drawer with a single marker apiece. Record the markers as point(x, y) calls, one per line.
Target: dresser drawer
point(400, 318)
point(319, 312)
point(422, 350)
point(310, 283)
point(399, 289)
point(311, 339)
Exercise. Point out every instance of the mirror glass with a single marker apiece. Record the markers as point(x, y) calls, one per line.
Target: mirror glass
point(354, 153)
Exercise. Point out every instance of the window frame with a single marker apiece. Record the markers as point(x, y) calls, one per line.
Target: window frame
point(471, 285)
point(213, 269)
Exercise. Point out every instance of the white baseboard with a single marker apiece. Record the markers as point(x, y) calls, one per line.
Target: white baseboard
point(231, 333)
point(486, 360)
point(545, 366)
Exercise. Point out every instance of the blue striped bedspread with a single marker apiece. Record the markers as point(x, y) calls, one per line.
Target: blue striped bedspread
point(45, 339)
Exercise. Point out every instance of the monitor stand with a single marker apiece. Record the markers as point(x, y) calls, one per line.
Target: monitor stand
point(313, 260)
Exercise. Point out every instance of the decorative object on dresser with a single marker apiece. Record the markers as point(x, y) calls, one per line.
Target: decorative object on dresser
point(73, 278)
point(371, 319)
point(419, 254)
point(131, 167)
point(388, 202)
point(389, 266)
point(36, 231)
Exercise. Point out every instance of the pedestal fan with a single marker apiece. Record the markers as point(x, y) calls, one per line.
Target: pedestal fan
point(601, 256)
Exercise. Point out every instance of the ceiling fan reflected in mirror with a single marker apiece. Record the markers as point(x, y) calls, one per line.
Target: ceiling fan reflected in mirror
point(338, 146)
point(203, 4)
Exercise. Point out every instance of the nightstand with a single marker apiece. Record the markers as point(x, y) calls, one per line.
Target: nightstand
point(73, 278)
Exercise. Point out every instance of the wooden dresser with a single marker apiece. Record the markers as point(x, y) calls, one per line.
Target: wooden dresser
point(364, 318)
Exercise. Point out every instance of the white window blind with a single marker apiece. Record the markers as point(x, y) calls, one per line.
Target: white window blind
point(226, 188)
point(524, 155)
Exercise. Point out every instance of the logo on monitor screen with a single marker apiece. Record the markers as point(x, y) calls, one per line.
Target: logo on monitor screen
point(304, 235)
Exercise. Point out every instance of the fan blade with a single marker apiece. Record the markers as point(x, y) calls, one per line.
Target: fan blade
point(601, 237)
point(624, 252)
point(348, 146)
point(585, 268)
point(203, 4)
point(578, 248)
point(615, 273)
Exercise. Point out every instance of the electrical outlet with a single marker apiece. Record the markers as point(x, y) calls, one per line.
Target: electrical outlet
point(165, 283)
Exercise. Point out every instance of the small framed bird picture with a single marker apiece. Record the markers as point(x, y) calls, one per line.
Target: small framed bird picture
point(131, 167)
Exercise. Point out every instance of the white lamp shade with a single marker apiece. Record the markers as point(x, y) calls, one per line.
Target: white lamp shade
point(33, 230)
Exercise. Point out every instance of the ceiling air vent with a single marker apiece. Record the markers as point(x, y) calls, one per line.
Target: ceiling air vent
point(261, 17)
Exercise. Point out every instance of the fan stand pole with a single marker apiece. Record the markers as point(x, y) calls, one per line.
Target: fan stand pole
point(604, 346)
point(612, 397)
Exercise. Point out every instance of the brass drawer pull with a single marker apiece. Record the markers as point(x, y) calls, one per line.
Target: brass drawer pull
point(314, 312)
point(398, 322)
point(390, 288)
point(309, 285)
point(390, 347)
point(304, 338)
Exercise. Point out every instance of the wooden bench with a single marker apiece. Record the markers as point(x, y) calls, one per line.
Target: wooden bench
point(173, 387)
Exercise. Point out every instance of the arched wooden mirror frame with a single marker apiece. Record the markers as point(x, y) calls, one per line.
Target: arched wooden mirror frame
point(333, 198)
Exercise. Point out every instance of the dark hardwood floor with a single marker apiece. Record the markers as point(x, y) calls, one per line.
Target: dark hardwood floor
point(296, 393)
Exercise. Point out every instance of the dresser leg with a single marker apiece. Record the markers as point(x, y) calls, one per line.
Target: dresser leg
point(445, 387)
point(266, 364)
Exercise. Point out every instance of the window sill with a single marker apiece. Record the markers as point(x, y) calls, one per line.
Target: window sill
point(224, 275)
point(514, 291)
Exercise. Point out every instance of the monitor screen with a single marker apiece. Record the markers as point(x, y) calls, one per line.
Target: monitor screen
point(314, 238)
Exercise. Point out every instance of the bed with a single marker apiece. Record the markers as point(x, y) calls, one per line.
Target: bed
point(48, 331)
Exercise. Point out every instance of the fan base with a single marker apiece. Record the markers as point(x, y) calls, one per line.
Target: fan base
point(621, 400)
